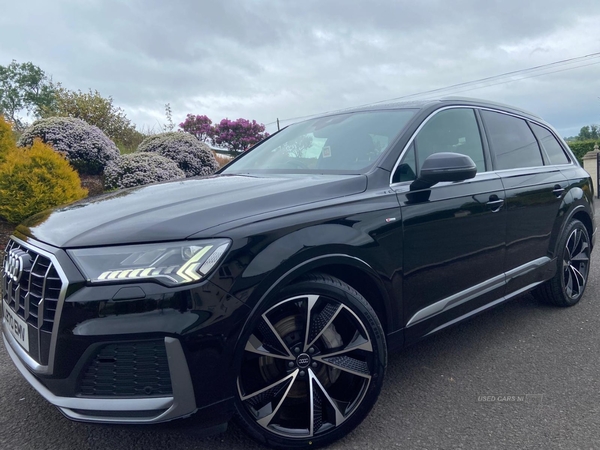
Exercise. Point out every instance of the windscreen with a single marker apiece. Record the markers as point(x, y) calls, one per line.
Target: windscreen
point(344, 143)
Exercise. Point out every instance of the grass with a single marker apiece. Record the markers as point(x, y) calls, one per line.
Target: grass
point(126, 150)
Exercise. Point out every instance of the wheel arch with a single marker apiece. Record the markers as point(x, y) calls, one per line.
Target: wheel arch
point(364, 283)
point(574, 206)
point(584, 218)
point(352, 270)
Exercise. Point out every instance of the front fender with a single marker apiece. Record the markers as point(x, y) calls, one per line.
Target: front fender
point(356, 233)
point(263, 265)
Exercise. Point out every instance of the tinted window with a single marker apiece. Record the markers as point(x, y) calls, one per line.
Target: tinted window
point(553, 149)
point(343, 143)
point(452, 130)
point(407, 169)
point(512, 141)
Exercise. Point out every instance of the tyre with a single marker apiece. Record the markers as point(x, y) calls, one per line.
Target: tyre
point(311, 365)
point(567, 286)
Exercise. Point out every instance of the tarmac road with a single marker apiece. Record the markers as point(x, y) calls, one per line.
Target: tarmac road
point(523, 375)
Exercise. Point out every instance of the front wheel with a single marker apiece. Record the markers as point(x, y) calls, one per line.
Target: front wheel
point(312, 365)
point(567, 286)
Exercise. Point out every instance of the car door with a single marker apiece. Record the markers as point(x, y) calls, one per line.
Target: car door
point(534, 192)
point(453, 233)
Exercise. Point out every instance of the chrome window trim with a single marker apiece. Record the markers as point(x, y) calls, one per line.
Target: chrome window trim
point(481, 176)
point(416, 132)
point(480, 108)
point(33, 365)
point(525, 169)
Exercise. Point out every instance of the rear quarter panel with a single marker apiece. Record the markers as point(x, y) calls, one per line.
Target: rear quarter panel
point(578, 202)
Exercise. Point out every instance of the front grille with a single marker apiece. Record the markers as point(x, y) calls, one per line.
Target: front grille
point(35, 298)
point(128, 369)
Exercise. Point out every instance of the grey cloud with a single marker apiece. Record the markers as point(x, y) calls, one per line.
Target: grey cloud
point(265, 59)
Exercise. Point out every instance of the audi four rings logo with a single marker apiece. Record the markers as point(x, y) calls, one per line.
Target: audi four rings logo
point(303, 361)
point(16, 262)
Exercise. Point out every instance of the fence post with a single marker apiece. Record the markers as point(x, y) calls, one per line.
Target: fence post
point(596, 149)
point(591, 163)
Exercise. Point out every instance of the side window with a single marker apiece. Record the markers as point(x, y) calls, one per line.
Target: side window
point(512, 141)
point(553, 149)
point(452, 130)
point(407, 169)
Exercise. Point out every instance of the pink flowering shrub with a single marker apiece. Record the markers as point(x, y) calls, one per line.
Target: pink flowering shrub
point(192, 156)
point(236, 135)
point(199, 126)
point(137, 169)
point(86, 147)
point(239, 135)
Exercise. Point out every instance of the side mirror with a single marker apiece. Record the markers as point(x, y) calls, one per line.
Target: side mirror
point(444, 167)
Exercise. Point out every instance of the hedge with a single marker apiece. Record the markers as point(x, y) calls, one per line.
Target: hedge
point(580, 148)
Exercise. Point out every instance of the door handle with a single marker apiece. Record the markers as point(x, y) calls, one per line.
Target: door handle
point(495, 203)
point(558, 190)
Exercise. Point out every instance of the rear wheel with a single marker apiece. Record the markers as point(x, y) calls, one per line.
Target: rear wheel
point(312, 365)
point(567, 286)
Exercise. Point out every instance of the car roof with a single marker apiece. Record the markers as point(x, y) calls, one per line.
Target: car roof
point(433, 104)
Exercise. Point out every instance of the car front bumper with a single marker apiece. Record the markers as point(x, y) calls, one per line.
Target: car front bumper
point(183, 343)
point(120, 410)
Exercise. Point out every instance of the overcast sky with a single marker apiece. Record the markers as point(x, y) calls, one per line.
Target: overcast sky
point(265, 59)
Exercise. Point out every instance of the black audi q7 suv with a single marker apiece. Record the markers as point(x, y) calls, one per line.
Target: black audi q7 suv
point(273, 291)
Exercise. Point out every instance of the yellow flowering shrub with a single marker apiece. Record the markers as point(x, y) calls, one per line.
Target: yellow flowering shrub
point(34, 179)
point(7, 140)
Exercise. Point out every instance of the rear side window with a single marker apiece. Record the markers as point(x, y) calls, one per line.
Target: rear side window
point(512, 141)
point(553, 148)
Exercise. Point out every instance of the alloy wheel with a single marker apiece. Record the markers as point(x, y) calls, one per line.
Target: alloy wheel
point(306, 367)
point(576, 263)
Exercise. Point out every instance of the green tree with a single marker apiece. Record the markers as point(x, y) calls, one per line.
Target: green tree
point(588, 132)
point(97, 110)
point(23, 87)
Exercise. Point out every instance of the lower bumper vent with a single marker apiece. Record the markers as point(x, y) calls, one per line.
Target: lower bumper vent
point(128, 369)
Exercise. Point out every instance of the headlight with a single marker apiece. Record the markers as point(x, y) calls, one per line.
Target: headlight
point(170, 263)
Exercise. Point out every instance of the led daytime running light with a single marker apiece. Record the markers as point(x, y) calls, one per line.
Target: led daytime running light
point(170, 263)
point(189, 270)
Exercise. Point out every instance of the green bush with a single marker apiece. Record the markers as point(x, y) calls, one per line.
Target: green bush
point(580, 148)
point(35, 179)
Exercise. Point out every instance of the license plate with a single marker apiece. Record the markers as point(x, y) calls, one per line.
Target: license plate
point(16, 326)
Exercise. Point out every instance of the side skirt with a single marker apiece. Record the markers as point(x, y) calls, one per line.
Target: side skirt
point(484, 308)
point(536, 272)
